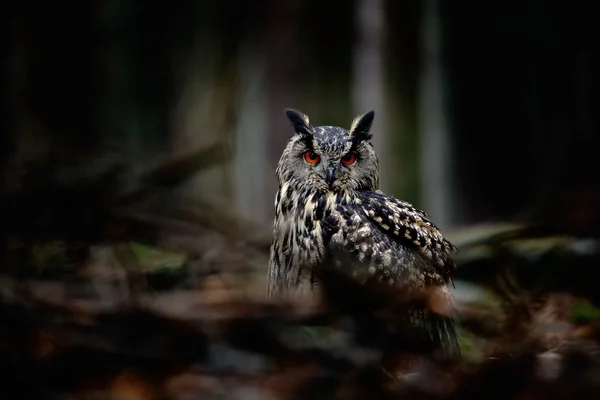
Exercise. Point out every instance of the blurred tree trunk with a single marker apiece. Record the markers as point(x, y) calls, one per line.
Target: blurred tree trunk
point(281, 56)
point(209, 90)
point(252, 175)
point(203, 117)
point(368, 91)
point(436, 170)
point(135, 49)
point(402, 75)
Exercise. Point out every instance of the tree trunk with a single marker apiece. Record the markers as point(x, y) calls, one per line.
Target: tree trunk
point(435, 149)
point(368, 83)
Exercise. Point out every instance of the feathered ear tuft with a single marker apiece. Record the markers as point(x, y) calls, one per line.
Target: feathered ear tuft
point(299, 121)
point(360, 129)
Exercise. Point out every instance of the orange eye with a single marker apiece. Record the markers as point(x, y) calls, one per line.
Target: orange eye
point(349, 159)
point(311, 157)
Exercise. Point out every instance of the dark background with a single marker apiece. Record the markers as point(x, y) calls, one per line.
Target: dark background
point(137, 156)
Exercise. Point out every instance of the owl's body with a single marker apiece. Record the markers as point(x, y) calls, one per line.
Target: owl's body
point(329, 213)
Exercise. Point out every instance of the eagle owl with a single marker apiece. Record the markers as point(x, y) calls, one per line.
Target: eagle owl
point(330, 213)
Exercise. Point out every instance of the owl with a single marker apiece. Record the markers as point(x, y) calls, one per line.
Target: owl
point(330, 214)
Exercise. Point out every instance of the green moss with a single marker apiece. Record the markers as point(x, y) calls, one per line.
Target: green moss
point(156, 259)
point(48, 257)
point(472, 348)
point(584, 312)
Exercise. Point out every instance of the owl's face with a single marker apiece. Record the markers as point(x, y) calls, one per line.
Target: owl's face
point(329, 158)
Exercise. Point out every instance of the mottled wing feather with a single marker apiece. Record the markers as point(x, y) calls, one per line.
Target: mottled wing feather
point(366, 252)
point(362, 248)
point(410, 227)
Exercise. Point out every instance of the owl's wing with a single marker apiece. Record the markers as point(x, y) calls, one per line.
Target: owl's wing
point(411, 227)
point(376, 236)
point(381, 239)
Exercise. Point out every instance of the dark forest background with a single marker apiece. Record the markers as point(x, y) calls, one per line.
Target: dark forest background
point(137, 157)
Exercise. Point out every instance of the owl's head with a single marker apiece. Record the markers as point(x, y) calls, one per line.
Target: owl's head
point(329, 158)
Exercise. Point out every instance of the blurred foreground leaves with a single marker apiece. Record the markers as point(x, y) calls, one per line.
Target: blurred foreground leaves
point(114, 286)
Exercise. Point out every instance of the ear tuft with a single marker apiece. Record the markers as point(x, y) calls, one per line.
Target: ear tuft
point(360, 129)
point(299, 121)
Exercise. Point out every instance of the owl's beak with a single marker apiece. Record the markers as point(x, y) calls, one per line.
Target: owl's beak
point(330, 175)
